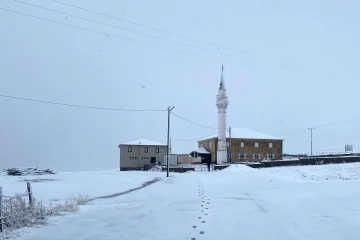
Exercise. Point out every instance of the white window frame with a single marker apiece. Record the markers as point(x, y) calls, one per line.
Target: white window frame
point(210, 144)
point(242, 144)
point(129, 148)
point(256, 144)
point(270, 145)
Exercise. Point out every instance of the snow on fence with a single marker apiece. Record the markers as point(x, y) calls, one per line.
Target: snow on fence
point(19, 210)
point(27, 171)
point(22, 210)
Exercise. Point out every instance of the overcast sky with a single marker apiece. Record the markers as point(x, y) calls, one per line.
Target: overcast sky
point(288, 66)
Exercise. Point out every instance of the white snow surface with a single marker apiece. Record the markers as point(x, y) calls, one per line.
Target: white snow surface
point(245, 133)
point(344, 171)
point(61, 186)
point(144, 142)
point(237, 203)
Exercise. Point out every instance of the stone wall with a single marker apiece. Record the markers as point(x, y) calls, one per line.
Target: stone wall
point(264, 147)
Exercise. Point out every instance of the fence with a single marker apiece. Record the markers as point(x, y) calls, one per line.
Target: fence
point(18, 210)
point(198, 167)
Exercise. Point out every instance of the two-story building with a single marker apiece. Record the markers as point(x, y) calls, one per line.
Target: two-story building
point(246, 146)
point(137, 154)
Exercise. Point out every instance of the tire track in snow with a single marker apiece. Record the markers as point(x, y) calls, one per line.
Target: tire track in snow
point(145, 184)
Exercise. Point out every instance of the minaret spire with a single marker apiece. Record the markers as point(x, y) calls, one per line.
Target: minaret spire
point(222, 103)
point(222, 81)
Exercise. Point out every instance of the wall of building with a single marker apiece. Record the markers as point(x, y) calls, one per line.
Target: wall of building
point(187, 159)
point(265, 147)
point(211, 146)
point(249, 149)
point(137, 158)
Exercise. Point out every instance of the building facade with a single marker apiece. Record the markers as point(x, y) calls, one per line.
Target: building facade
point(137, 154)
point(247, 146)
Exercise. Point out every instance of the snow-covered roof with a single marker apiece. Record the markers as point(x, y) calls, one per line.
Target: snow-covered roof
point(202, 150)
point(144, 142)
point(245, 133)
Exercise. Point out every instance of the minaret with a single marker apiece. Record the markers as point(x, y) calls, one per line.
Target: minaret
point(222, 103)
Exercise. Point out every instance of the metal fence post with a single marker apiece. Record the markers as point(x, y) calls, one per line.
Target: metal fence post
point(1, 220)
point(30, 194)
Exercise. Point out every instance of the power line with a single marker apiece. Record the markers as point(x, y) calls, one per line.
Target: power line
point(124, 29)
point(321, 125)
point(145, 26)
point(163, 31)
point(124, 38)
point(83, 106)
point(102, 33)
point(160, 30)
point(187, 120)
point(193, 139)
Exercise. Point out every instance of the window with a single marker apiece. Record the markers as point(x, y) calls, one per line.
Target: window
point(146, 149)
point(270, 145)
point(256, 144)
point(242, 156)
point(242, 144)
point(228, 156)
point(129, 148)
point(157, 150)
point(210, 144)
point(133, 158)
point(227, 144)
point(271, 156)
point(256, 156)
point(146, 158)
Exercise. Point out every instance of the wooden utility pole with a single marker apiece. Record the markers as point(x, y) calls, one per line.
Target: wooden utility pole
point(311, 139)
point(230, 143)
point(1, 220)
point(168, 141)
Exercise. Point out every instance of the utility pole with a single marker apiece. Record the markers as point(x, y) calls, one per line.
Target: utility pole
point(311, 138)
point(170, 147)
point(230, 143)
point(168, 141)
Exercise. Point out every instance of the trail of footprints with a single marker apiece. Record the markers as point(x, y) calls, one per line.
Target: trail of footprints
point(204, 204)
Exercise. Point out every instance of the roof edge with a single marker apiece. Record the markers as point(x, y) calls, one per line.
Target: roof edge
point(274, 139)
point(127, 144)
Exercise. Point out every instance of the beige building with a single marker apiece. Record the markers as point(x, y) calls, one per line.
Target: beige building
point(137, 154)
point(247, 146)
point(187, 159)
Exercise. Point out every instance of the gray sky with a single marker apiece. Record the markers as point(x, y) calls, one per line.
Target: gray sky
point(295, 67)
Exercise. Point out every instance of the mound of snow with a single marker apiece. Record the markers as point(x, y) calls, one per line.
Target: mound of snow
point(156, 168)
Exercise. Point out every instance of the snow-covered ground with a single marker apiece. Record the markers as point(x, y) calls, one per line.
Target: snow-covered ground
point(61, 186)
point(236, 203)
point(345, 171)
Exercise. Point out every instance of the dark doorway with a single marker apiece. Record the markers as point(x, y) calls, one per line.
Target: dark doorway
point(153, 160)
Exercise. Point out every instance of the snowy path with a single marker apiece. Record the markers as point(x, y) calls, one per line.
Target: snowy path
point(229, 204)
